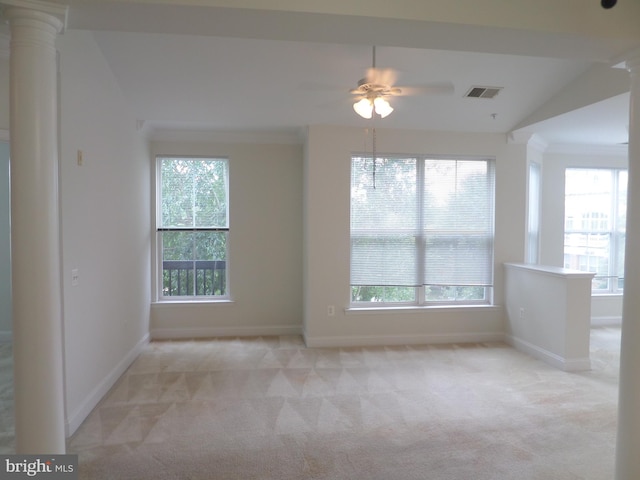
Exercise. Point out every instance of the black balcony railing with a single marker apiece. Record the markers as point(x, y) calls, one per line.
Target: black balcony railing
point(189, 278)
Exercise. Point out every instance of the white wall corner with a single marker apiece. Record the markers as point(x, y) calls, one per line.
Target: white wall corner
point(537, 143)
point(518, 137)
point(144, 129)
point(531, 139)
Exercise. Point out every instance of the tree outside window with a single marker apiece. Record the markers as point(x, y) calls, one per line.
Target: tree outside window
point(193, 226)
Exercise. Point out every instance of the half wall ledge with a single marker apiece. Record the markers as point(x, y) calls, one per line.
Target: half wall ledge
point(549, 313)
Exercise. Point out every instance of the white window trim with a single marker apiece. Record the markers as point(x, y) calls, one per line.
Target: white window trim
point(613, 289)
point(156, 247)
point(420, 303)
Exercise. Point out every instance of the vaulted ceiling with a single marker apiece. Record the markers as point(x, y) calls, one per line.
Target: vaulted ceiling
point(250, 65)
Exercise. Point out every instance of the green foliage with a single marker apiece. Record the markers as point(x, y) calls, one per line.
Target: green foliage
point(433, 293)
point(438, 293)
point(420, 220)
point(382, 294)
point(194, 192)
point(193, 195)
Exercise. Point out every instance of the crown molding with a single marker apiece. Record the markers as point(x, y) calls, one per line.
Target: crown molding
point(532, 140)
point(219, 136)
point(585, 149)
point(538, 143)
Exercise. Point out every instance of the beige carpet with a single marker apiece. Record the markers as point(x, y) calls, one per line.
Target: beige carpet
point(7, 440)
point(269, 408)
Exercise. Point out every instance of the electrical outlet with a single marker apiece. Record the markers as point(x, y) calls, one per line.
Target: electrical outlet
point(75, 277)
point(521, 313)
point(331, 310)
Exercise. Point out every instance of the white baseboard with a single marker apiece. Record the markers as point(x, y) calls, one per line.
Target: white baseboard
point(6, 336)
point(553, 359)
point(382, 340)
point(75, 419)
point(210, 332)
point(606, 321)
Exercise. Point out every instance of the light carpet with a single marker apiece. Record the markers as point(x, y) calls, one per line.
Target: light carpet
point(270, 408)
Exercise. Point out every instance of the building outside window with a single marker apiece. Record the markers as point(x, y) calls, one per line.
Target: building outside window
point(192, 227)
point(422, 230)
point(533, 214)
point(594, 225)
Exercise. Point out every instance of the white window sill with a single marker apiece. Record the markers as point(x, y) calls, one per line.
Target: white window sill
point(177, 303)
point(417, 309)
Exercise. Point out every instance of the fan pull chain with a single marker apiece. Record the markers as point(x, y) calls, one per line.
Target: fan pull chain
point(374, 157)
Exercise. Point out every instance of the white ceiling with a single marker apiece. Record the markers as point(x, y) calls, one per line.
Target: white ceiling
point(235, 83)
point(275, 82)
point(601, 123)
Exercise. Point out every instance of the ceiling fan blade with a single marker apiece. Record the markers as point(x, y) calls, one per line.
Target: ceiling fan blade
point(381, 76)
point(445, 88)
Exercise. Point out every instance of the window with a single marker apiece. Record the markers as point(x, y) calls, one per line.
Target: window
point(533, 214)
point(192, 227)
point(594, 225)
point(421, 230)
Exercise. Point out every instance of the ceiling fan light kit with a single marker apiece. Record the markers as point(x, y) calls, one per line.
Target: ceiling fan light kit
point(382, 107)
point(365, 107)
point(378, 85)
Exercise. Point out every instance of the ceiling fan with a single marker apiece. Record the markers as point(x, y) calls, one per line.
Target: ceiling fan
point(377, 86)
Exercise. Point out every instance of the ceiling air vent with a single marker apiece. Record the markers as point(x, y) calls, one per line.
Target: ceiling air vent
point(482, 92)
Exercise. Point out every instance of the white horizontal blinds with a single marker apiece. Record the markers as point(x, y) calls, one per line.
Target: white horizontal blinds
point(422, 221)
point(458, 206)
point(194, 193)
point(384, 222)
point(621, 224)
point(193, 225)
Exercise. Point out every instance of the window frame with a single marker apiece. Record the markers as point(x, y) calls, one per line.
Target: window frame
point(534, 207)
point(159, 230)
point(615, 233)
point(420, 300)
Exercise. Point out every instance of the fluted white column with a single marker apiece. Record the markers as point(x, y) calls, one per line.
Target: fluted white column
point(628, 441)
point(35, 240)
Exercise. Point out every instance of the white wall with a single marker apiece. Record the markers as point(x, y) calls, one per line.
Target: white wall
point(105, 226)
point(605, 309)
point(5, 245)
point(556, 329)
point(4, 93)
point(326, 229)
point(265, 244)
point(5, 207)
